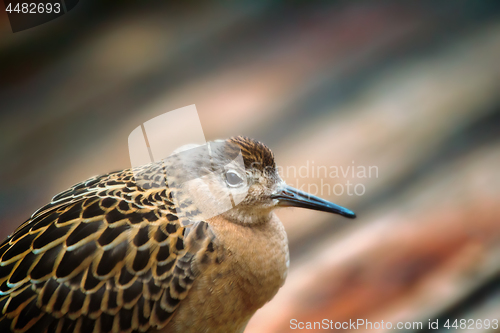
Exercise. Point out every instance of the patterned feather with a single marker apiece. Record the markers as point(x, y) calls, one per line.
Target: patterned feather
point(104, 256)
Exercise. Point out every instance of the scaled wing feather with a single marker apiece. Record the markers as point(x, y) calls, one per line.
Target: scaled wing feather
point(103, 256)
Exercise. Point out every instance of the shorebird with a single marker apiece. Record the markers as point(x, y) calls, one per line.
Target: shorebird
point(110, 255)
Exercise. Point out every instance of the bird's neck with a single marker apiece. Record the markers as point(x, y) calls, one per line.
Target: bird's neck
point(248, 217)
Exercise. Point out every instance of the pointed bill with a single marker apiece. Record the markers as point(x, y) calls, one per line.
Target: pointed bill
point(292, 197)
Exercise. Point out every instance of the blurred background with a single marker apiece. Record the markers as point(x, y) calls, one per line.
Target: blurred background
point(411, 88)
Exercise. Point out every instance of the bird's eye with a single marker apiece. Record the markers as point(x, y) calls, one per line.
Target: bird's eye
point(232, 178)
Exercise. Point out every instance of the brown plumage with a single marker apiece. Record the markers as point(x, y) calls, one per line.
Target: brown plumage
point(109, 255)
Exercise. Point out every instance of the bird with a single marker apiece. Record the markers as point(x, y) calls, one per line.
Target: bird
point(135, 251)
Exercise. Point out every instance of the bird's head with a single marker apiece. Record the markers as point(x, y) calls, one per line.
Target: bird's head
point(238, 179)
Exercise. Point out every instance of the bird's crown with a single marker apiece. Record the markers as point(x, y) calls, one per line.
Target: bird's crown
point(255, 154)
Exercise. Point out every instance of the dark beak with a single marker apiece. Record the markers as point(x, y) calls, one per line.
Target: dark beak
point(291, 197)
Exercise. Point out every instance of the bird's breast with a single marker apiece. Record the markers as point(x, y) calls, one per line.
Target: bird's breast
point(255, 257)
point(252, 265)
